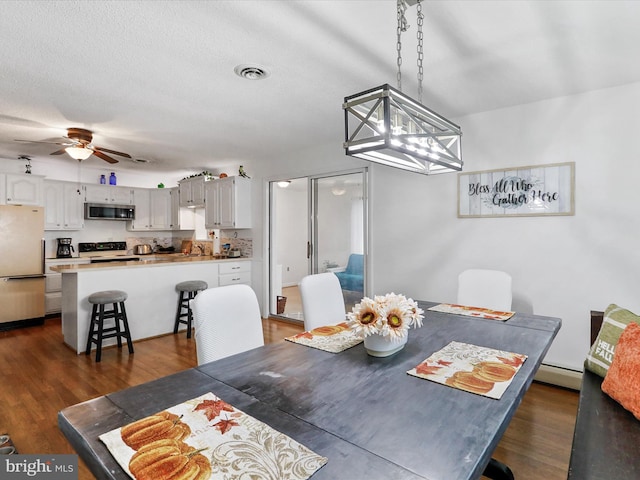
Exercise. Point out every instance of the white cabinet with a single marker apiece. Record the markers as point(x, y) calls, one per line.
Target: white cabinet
point(228, 203)
point(142, 218)
point(108, 194)
point(63, 206)
point(192, 191)
point(153, 209)
point(53, 283)
point(23, 189)
point(231, 273)
point(181, 218)
point(160, 209)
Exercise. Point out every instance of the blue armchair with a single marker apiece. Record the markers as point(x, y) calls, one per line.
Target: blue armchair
point(353, 276)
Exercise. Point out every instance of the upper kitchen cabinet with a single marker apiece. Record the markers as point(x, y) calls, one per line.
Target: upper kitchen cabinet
point(181, 218)
point(143, 210)
point(160, 209)
point(192, 191)
point(63, 206)
point(153, 209)
point(228, 203)
point(108, 194)
point(23, 189)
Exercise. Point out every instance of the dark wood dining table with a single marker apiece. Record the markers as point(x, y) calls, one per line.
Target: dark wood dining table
point(365, 414)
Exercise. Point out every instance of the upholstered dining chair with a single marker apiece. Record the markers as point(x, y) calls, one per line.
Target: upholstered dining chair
point(227, 321)
point(485, 288)
point(322, 300)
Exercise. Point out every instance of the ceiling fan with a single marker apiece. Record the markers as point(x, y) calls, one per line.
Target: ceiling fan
point(80, 146)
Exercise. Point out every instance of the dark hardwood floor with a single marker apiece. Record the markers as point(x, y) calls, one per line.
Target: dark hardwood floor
point(40, 376)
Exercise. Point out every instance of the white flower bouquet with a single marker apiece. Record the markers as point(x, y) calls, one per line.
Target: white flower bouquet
point(390, 316)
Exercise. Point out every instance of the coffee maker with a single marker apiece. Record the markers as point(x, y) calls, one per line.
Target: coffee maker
point(64, 248)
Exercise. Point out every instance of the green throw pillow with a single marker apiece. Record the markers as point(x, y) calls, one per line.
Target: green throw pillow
point(601, 353)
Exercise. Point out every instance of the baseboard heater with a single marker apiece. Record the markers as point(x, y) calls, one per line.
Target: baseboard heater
point(561, 377)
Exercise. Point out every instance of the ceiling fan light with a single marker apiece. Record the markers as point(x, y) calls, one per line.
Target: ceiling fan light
point(79, 153)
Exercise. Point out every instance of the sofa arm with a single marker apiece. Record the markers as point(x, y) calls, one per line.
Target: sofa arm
point(336, 269)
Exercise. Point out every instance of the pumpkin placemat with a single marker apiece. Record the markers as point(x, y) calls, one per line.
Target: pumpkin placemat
point(207, 438)
point(471, 368)
point(330, 338)
point(472, 311)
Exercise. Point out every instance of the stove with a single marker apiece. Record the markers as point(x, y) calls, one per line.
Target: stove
point(102, 249)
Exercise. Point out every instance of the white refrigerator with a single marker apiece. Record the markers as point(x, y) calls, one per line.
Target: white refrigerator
point(21, 263)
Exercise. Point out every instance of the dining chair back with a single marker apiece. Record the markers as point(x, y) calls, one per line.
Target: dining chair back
point(485, 289)
point(227, 321)
point(322, 300)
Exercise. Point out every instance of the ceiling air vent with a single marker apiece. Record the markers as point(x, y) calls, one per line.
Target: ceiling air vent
point(251, 72)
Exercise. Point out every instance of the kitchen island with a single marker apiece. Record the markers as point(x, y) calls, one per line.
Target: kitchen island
point(150, 285)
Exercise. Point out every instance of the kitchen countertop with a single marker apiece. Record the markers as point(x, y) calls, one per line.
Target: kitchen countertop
point(146, 261)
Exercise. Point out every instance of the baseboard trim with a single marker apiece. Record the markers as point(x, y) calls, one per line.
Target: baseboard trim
point(561, 377)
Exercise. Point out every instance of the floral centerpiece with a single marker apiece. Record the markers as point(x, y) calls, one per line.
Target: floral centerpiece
point(387, 317)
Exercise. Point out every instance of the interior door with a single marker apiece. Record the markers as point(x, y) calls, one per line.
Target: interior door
point(317, 224)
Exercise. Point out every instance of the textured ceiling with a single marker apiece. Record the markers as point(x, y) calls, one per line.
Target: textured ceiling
point(156, 79)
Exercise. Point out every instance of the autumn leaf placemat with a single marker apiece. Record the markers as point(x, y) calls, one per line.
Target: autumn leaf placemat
point(207, 438)
point(475, 369)
point(330, 338)
point(472, 311)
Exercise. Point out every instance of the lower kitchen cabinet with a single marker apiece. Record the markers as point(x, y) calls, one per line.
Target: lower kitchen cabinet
point(53, 283)
point(231, 273)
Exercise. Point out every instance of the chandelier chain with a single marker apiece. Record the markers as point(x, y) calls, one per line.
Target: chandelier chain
point(420, 49)
point(402, 27)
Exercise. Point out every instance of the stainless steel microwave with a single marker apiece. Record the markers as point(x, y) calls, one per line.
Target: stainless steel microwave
point(107, 211)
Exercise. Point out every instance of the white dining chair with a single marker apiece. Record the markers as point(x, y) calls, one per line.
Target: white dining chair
point(322, 300)
point(227, 321)
point(485, 289)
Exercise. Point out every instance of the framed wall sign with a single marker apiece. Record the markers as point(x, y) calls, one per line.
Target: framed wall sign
point(522, 191)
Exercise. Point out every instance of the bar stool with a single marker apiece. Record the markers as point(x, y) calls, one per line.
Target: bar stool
point(188, 291)
point(97, 332)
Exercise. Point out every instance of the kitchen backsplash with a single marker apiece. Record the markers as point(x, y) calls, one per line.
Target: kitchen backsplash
point(245, 245)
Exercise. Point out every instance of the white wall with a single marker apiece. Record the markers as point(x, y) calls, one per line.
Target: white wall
point(561, 266)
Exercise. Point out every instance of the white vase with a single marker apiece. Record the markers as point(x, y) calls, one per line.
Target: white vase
point(378, 346)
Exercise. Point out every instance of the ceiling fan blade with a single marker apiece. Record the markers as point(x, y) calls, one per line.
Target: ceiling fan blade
point(104, 157)
point(36, 141)
point(59, 152)
point(102, 149)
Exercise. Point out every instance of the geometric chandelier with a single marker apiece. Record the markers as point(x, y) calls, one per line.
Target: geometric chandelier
point(383, 125)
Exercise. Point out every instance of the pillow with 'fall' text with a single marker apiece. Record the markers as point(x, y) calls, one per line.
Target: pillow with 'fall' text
point(622, 382)
point(601, 353)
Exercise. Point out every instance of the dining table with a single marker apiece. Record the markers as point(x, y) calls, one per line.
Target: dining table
point(365, 414)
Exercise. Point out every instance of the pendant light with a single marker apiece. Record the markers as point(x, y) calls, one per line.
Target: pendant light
point(385, 126)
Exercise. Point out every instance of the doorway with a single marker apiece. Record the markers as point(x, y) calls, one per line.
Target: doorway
point(317, 224)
